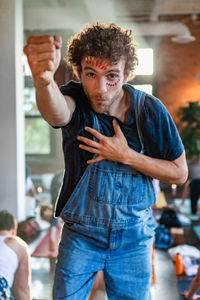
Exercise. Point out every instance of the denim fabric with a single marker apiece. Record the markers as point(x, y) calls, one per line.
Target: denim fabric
point(110, 228)
point(109, 194)
point(124, 255)
point(109, 225)
point(160, 136)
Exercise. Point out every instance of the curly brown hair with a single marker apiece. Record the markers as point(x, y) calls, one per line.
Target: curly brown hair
point(105, 41)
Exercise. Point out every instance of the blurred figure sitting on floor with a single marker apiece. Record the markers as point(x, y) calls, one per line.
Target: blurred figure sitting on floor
point(195, 285)
point(14, 260)
point(32, 198)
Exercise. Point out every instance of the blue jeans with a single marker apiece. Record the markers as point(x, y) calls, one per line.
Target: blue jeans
point(124, 255)
point(109, 227)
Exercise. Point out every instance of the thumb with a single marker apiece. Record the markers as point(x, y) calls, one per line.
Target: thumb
point(117, 128)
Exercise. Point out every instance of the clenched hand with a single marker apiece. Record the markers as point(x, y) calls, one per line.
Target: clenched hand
point(43, 54)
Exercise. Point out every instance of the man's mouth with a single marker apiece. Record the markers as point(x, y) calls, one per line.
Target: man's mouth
point(100, 100)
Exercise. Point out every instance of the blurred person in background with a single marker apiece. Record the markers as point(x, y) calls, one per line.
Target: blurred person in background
point(14, 260)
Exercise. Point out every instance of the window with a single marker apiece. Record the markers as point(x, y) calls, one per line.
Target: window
point(145, 66)
point(144, 71)
point(147, 88)
point(38, 133)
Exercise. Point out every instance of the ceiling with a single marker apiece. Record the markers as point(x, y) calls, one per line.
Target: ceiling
point(71, 15)
point(122, 9)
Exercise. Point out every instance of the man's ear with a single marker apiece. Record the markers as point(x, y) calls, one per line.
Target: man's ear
point(14, 231)
point(126, 76)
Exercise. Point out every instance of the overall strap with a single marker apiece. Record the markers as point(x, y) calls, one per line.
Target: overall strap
point(97, 126)
point(138, 115)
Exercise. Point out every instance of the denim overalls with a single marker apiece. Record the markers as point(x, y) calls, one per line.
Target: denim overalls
point(108, 226)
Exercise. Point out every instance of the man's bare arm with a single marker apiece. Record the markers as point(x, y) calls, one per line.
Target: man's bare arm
point(55, 108)
point(23, 273)
point(44, 54)
point(23, 277)
point(164, 170)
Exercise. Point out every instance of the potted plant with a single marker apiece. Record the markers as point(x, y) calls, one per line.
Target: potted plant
point(190, 133)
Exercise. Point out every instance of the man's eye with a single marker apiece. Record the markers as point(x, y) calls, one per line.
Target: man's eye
point(91, 75)
point(112, 76)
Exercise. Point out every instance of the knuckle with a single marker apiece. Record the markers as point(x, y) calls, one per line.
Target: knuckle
point(50, 65)
point(51, 56)
point(103, 139)
point(50, 48)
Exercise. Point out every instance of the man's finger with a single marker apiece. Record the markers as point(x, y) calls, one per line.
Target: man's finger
point(87, 141)
point(94, 132)
point(117, 128)
point(38, 39)
point(89, 149)
point(39, 48)
point(97, 159)
point(41, 57)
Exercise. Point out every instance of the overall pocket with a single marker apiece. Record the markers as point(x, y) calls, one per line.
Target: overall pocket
point(116, 187)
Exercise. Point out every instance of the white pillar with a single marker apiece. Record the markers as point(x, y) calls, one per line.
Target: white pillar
point(11, 108)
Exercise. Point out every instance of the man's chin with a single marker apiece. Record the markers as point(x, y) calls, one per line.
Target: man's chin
point(100, 108)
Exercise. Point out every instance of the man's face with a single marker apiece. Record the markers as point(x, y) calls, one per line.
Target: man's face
point(102, 82)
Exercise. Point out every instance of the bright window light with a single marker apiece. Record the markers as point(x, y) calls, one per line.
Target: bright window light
point(27, 70)
point(147, 88)
point(145, 66)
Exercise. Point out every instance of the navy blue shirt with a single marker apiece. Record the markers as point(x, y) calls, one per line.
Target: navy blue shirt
point(160, 136)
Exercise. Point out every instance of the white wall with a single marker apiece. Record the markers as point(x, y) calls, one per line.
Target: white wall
point(11, 108)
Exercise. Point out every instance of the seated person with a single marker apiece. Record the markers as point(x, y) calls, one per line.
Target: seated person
point(32, 198)
point(14, 260)
point(195, 285)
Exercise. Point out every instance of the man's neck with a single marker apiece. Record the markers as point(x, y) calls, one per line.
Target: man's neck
point(120, 106)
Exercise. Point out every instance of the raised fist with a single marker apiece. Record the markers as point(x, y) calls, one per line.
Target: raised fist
point(43, 54)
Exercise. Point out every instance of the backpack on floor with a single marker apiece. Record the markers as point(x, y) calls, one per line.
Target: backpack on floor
point(163, 239)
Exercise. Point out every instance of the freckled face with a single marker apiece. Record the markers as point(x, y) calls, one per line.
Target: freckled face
point(102, 82)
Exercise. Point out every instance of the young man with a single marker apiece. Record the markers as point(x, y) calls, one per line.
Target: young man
point(107, 189)
point(14, 260)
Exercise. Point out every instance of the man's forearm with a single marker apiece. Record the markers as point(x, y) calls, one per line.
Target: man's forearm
point(53, 106)
point(116, 148)
point(164, 170)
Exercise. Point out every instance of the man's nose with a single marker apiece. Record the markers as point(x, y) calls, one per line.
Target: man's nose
point(101, 86)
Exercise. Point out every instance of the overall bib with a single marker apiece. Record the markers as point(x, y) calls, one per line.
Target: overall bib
point(108, 226)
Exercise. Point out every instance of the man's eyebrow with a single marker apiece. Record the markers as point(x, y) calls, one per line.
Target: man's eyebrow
point(89, 68)
point(113, 70)
point(108, 71)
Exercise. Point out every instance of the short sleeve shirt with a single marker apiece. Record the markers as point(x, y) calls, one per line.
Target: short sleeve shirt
point(160, 136)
